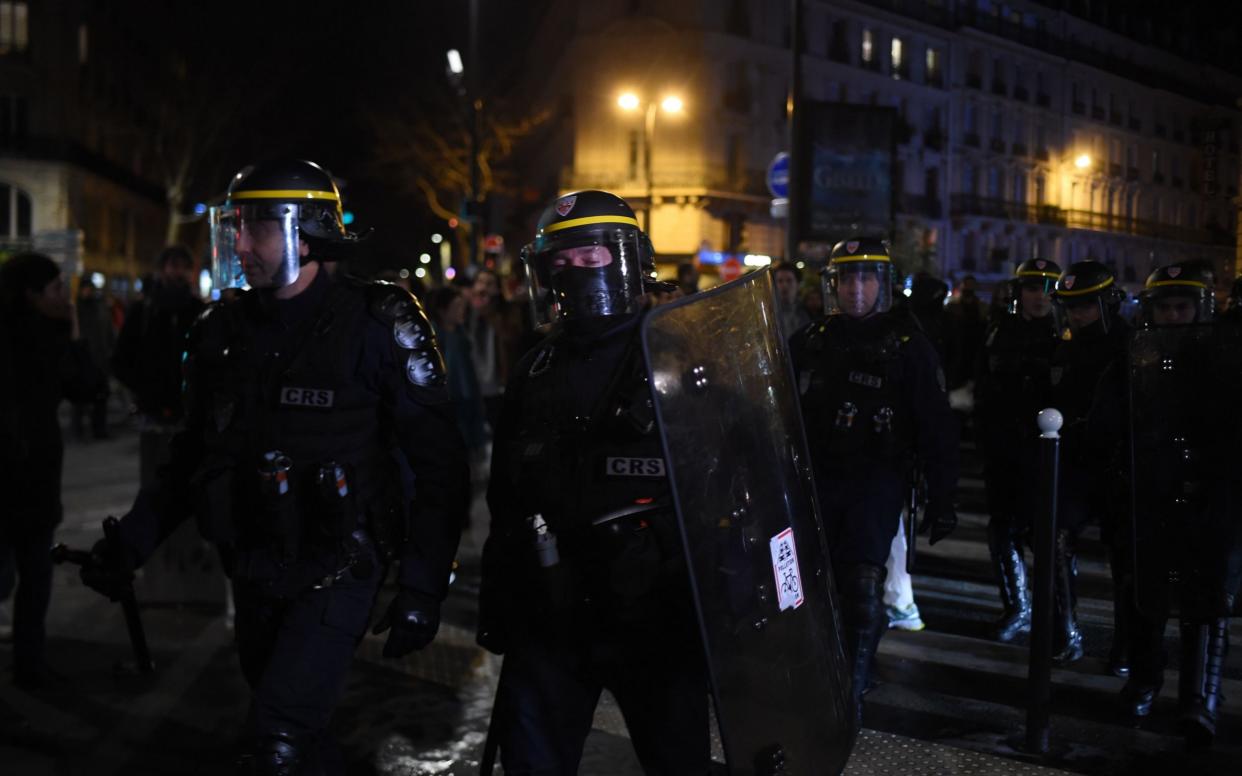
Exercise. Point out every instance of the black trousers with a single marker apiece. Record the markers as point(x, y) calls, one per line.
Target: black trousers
point(548, 692)
point(25, 545)
point(295, 654)
point(861, 515)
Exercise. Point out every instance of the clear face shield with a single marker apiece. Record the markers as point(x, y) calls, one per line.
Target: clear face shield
point(254, 246)
point(857, 288)
point(1179, 305)
point(584, 275)
point(1032, 297)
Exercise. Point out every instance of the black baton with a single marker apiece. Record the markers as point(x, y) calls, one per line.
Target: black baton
point(133, 620)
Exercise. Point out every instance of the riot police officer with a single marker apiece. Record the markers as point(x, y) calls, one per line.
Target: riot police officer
point(584, 584)
point(1087, 294)
point(1177, 484)
point(298, 392)
point(873, 398)
point(1011, 387)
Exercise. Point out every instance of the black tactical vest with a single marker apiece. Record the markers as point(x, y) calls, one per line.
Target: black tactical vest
point(301, 399)
point(850, 376)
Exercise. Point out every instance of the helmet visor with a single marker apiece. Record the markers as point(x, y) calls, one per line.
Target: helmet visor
point(858, 288)
point(1175, 305)
point(254, 246)
point(585, 275)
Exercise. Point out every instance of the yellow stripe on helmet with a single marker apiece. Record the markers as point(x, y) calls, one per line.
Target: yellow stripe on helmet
point(1191, 283)
point(861, 257)
point(587, 220)
point(1084, 291)
point(1036, 274)
point(331, 196)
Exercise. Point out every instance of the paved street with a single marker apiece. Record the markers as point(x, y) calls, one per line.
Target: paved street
point(950, 701)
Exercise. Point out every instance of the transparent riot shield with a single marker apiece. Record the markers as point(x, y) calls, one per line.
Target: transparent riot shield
point(1178, 535)
point(740, 474)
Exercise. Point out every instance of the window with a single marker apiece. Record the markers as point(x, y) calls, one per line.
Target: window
point(935, 74)
point(995, 182)
point(868, 47)
point(13, 121)
point(1019, 187)
point(83, 44)
point(969, 118)
point(15, 212)
point(897, 51)
point(968, 178)
point(1040, 192)
point(14, 34)
point(838, 49)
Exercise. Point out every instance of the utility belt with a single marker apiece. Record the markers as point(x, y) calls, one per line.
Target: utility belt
point(864, 430)
point(617, 560)
point(293, 509)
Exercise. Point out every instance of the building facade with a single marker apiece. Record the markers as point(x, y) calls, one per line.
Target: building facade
point(72, 182)
point(1062, 130)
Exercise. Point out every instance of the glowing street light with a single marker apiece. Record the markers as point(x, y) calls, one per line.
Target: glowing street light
point(671, 104)
point(1082, 161)
point(455, 65)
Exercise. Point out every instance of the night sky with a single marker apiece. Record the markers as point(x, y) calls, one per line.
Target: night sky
point(315, 78)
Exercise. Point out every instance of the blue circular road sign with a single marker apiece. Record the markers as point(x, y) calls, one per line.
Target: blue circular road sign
point(778, 175)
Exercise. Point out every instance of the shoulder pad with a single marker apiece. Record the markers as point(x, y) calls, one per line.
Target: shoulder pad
point(403, 315)
point(215, 322)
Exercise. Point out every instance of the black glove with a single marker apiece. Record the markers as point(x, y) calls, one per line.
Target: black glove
point(940, 520)
point(414, 619)
point(103, 574)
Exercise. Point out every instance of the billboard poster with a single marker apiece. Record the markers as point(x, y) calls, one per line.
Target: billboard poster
point(846, 183)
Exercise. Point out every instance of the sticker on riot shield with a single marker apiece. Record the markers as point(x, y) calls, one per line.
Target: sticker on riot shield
point(785, 568)
point(735, 455)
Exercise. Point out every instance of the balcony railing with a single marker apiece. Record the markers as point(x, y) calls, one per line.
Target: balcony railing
point(708, 177)
point(973, 204)
point(1105, 222)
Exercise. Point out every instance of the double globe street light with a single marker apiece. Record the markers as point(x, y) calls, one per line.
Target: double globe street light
point(672, 105)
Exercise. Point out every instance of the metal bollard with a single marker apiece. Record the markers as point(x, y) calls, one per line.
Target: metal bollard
point(1043, 537)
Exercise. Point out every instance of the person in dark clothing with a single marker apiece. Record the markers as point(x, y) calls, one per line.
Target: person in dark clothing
point(1011, 387)
point(873, 398)
point(1183, 528)
point(967, 319)
point(584, 584)
point(42, 362)
point(447, 309)
point(99, 338)
point(926, 304)
point(298, 392)
point(149, 350)
point(1090, 300)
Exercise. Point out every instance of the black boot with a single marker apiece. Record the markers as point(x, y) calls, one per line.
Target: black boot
point(1204, 645)
point(863, 621)
point(1068, 643)
point(1011, 574)
point(1146, 649)
point(1119, 654)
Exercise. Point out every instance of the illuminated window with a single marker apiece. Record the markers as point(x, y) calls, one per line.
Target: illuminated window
point(899, 61)
point(935, 74)
point(15, 212)
point(868, 47)
point(14, 31)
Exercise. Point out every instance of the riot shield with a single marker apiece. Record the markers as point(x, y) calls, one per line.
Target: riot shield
point(1180, 536)
point(740, 475)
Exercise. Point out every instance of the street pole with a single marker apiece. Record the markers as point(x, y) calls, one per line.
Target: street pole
point(648, 134)
point(1043, 537)
point(476, 116)
point(796, 160)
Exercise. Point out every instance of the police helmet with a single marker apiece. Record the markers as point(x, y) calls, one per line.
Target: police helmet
point(278, 206)
point(1089, 283)
point(588, 258)
point(1033, 274)
point(1179, 293)
point(847, 284)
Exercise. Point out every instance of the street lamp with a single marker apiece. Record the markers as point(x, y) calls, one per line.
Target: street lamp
point(1082, 161)
point(671, 104)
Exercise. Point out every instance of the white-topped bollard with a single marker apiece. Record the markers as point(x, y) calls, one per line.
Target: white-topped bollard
point(1043, 536)
point(1050, 421)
